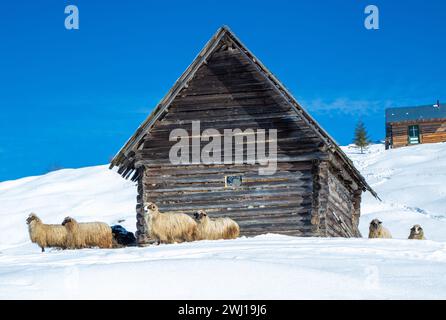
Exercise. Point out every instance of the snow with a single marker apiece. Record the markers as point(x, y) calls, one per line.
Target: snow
point(410, 182)
point(88, 193)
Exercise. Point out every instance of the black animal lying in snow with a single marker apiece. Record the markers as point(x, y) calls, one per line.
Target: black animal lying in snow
point(122, 237)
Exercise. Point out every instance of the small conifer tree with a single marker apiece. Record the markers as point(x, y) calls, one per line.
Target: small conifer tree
point(361, 139)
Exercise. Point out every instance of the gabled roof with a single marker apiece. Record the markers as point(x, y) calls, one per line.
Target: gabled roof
point(420, 113)
point(124, 159)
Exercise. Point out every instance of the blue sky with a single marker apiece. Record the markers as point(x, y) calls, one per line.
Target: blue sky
point(72, 98)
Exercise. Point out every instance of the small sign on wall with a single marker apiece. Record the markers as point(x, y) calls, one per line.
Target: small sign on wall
point(233, 181)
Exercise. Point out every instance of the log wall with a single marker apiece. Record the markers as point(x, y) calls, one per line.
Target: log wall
point(280, 203)
point(343, 200)
point(229, 93)
point(430, 132)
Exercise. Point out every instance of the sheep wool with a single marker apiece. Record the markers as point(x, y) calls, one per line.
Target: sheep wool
point(87, 234)
point(168, 227)
point(214, 229)
point(417, 233)
point(46, 235)
point(377, 230)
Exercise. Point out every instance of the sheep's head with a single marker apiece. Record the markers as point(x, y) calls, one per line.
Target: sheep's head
point(375, 224)
point(32, 217)
point(150, 208)
point(200, 214)
point(416, 230)
point(67, 220)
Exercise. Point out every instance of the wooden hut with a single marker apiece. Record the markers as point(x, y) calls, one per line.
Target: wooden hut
point(315, 191)
point(414, 125)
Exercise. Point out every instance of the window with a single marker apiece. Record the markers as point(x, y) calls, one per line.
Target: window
point(414, 134)
point(233, 181)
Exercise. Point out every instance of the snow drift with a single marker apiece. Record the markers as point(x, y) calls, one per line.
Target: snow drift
point(410, 181)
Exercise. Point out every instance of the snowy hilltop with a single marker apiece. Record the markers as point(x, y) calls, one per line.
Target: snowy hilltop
point(409, 181)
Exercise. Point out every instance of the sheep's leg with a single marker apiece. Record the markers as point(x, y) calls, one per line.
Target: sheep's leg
point(43, 249)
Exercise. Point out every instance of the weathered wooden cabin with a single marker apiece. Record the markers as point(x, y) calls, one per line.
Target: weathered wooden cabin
point(414, 125)
point(316, 190)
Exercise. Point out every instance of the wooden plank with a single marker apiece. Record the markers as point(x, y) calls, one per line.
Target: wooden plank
point(296, 179)
point(280, 158)
point(233, 195)
point(200, 169)
point(197, 205)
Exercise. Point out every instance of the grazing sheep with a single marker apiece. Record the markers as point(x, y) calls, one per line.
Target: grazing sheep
point(376, 230)
point(46, 235)
point(87, 235)
point(417, 233)
point(168, 227)
point(221, 228)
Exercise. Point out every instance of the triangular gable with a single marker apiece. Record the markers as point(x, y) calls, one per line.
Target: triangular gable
point(124, 159)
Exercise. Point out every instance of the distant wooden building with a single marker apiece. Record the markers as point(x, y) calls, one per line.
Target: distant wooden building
point(414, 125)
point(316, 190)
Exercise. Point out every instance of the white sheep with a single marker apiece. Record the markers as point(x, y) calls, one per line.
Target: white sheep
point(377, 230)
point(417, 233)
point(214, 229)
point(87, 234)
point(168, 227)
point(46, 235)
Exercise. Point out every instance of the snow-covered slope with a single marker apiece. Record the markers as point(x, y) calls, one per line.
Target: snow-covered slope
point(412, 185)
point(88, 193)
point(410, 181)
point(265, 267)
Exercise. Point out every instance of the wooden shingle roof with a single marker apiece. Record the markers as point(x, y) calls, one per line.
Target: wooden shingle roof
point(125, 158)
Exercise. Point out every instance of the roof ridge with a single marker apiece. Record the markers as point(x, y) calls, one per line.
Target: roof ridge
point(189, 73)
